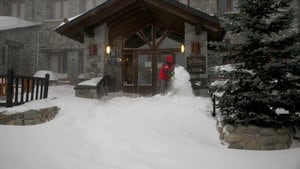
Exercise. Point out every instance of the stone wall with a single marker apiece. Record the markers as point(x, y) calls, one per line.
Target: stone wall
point(192, 36)
point(94, 64)
point(255, 138)
point(52, 44)
point(30, 117)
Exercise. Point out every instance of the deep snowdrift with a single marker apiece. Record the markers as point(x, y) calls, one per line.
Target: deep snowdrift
point(175, 131)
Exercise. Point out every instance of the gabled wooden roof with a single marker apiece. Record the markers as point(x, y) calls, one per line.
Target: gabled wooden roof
point(125, 17)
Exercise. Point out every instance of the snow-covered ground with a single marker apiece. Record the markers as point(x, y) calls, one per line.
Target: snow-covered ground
point(175, 131)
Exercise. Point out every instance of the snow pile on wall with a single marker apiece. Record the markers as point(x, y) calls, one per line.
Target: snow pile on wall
point(42, 74)
point(91, 82)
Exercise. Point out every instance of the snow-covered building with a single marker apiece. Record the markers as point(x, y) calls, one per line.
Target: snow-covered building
point(140, 33)
point(48, 50)
point(15, 51)
point(51, 51)
point(69, 58)
point(40, 47)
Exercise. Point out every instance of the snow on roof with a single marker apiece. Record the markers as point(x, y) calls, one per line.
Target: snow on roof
point(42, 74)
point(226, 68)
point(66, 20)
point(91, 82)
point(9, 22)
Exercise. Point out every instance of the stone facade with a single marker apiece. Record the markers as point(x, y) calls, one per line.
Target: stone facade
point(94, 64)
point(255, 138)
point(44, 49)
point(190, 37)
point(20, 52)
point(54, 45)
point(30, 117)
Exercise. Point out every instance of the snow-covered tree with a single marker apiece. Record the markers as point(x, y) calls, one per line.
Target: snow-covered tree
point(266, 78)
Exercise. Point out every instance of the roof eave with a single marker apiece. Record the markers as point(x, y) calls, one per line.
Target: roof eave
point(73, 28)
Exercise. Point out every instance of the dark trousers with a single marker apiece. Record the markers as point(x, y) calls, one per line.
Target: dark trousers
point(164, 86)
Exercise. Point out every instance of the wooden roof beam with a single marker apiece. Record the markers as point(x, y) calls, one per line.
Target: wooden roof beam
point(126, 19)
point(163, 37)
point(130, 29)
point(147, 9)
point(119, 17)
point(127, 23)
point(144, 38)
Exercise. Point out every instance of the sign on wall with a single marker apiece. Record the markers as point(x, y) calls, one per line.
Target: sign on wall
point(196, 64)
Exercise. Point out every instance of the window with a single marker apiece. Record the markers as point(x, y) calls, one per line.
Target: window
point(3, 56)
point(59, 63)
point(14, 59)
point(227, 6)
point(58, 9)
point(93, 49)
point(128, 74)
point(144, 70)
point(80, 63)
point(16, 8)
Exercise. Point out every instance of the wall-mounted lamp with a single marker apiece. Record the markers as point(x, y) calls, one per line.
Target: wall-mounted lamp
point(107, 49)
point(182, 48)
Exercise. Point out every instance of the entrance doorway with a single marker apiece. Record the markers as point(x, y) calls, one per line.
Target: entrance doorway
point(143, 55)
point(140, 70)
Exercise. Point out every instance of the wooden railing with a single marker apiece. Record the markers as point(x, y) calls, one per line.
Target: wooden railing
point(21, 89)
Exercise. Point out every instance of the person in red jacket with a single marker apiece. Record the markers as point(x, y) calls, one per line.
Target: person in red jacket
point(165, 73)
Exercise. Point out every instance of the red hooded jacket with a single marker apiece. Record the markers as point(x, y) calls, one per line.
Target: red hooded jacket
point(166, 69)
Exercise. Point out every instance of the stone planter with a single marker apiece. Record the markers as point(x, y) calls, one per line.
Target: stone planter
point(30, 117)
point(255, 138)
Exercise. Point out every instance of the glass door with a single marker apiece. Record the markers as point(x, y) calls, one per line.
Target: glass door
point(140, 70)
point(128, 70)
point(145, 70)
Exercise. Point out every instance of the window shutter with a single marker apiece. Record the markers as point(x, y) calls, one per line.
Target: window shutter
point(93, 50)
point(196, 47)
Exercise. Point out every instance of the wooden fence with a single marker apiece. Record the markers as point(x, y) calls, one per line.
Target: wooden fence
point(21, 89)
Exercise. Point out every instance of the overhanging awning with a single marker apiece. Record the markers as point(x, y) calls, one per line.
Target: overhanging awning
point(125, 17)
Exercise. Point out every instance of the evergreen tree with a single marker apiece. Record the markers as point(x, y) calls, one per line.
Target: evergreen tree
point(267, 74)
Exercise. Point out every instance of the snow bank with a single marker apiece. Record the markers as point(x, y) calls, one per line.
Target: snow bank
point(159, 132)
point(181, 84)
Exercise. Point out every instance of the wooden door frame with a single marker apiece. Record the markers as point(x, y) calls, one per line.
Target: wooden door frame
point(136, 88)
point(154, 50)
